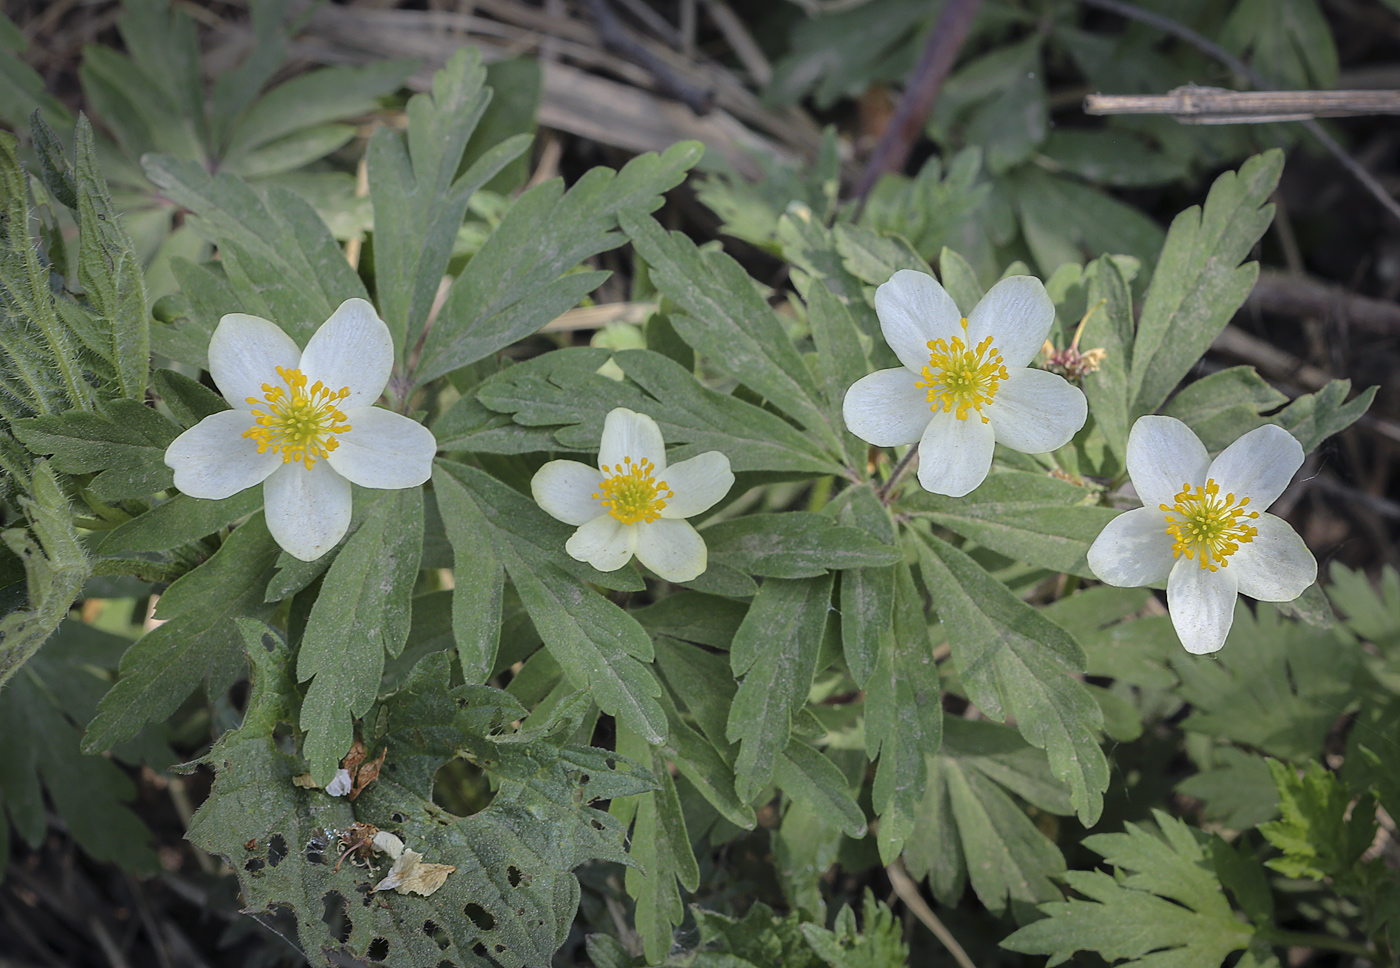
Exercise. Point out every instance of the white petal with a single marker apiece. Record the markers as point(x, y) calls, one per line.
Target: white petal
point(1258, 465)
point(341, 784)
point(1133, 549)
point(351, 349)
point(1276, 566)
point(915, 310)
point(308, 511)
point(214, 460)
point(955, 455)
point(565, 489)
point(1202, 605)
point(630, 434)
point(605, 543)
point(1017, 314)
point(383, 449)
point(884, 408)
point(672, 549)
point(698, 484)
point(1163, 454)
point(1036, 411)
point(244, 353)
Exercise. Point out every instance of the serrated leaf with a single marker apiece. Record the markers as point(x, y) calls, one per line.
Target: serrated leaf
point(1167, 911)
point(599, 646)
point(55, 568)
point(512, 895)
point(867, 594)
point(794, 544)
point(1016, 663)
point(1314, 417)
point(280, 258)
point(125, 447)
point(198, 640)
point(1222, 406)
point(1110, 328)
point(361, 612)
point(519, 279)
point(723, 317)
point(775, 650)
point(903, 716)
point(1066, 221)
point(478, 589)
point(1287, 41)
point(178, 521)
point(1372, 613)
point(840, 359)
point(967, 826)
point(1199, 282)
point(1030, 517)
point(808, 776)
point(1279, 688)
point(873, 257)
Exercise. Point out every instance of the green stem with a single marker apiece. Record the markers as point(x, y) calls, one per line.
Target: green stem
point(1326, 942)
point(886, 491)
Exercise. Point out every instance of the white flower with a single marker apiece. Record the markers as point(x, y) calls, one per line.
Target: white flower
point(625, 506)
point(303, 425)
point(966, 382)
point(1202, 527)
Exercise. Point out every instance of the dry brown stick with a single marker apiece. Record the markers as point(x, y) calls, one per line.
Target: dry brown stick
point(1207, 46)
point(1304, 297)
point(940, 51)
point(1191, 104)
point(908, 892)
point(745, 48)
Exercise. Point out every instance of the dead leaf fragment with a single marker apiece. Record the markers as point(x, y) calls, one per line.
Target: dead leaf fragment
point(305, 782)
point(368, 773)
point(410, 875)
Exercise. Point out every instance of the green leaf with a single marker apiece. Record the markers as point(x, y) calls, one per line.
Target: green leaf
point(1287, 41)
point(478, 590)
point(599, 646)
point(832, 56)
point(1033, 518)
point(361, 612)
point(1199, 282)
point(758, 940)
point(1316, 416)
point(1110, 328)
point(1016, 663)
point(867, 594)
point(808, 776)
point(873, 257)
point(879, 944)
point(1236, 790)
point(794, 544)
point(178, 521)
point(1224, 405)
point(967, 826)
point(55, 568)
point(775, 650)
point(706, 619)
point(1065, 221)
point(37, 713)
point(1166, 909)
point(126, 448)
point(282, 261)
point(521, 278)
point(198, 640)
point(1112, 156)
point(1372, 613)
point(110, 272)
point(840, 359)
point(903, 716)
point(515, 855)
point(564, 388)
point(928, 209)
point(1279, 687)
point(660, 848)
point(722, 316)
point(959, 279)
point(189, 400)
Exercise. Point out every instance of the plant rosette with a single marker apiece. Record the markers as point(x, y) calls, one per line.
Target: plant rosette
point(633, 502)
point(966, 383)
point(1203, 529)
point(303, 425)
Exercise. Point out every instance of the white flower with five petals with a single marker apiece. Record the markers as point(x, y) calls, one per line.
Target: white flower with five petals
point(966, 383)
point(303, 425)
point(1202, 527)
point(632, 502)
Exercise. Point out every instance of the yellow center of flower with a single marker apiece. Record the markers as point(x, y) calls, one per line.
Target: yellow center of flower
point(961, 378)
point(299, 423)
point(631, 494)
point(1208, 525)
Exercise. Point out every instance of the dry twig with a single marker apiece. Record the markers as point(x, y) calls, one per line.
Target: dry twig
point(908, 892)
point(1191, 104)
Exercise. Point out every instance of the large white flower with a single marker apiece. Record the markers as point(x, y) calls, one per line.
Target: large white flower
point(965, 384)
point(1203, 529)
point(624, 506)
point(303, 425)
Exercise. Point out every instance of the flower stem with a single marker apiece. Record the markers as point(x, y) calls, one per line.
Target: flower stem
point(885, 494)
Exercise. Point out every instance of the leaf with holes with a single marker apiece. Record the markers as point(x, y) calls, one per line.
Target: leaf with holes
point(513, 896)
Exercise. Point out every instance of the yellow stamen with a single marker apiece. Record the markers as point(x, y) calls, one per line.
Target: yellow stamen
point(299, 423)
point(1208, 525)
point(961, 378)
point(630, 494)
